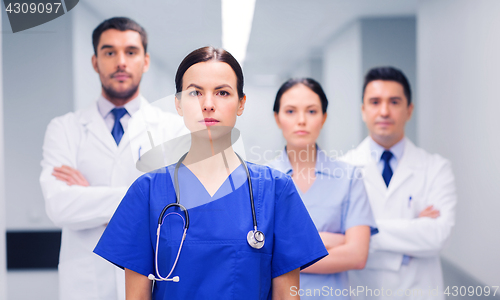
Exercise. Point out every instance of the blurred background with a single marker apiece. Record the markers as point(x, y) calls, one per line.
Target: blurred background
point(449, 50)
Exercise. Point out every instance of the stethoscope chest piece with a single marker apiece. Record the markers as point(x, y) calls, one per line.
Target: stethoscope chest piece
point(256, 239)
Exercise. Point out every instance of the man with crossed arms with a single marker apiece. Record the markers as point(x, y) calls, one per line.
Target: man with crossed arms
point(89, 159)
point(412, 194)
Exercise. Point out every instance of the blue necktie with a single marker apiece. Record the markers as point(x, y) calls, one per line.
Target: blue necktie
point(117, 130)
point(387, 172)
point(387, 175)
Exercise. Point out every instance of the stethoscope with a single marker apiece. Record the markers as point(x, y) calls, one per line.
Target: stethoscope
point(255, 237)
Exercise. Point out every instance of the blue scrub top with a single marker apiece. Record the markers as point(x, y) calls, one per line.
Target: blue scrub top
point(336, 201)
point(216, 260)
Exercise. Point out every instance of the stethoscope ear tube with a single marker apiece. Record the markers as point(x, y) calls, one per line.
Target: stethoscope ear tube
point(186, 214)
point(250, 190)
point(160, 278)
point(255, 237)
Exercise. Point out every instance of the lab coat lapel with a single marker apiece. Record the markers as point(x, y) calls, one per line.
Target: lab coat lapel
point(405, 168)
point(373, 177)
point(145, 119)
point(94, 123)
point(361, 156)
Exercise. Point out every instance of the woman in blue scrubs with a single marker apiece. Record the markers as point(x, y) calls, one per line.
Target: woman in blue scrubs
point(215, 260)
point(332, 191)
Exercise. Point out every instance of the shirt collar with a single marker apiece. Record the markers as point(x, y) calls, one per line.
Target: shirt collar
point(321, 160)
point(105, 106)
point(283, 163)
point(397, 150)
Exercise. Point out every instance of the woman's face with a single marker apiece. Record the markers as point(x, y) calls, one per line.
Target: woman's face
point(300, 116)
point(209, 97)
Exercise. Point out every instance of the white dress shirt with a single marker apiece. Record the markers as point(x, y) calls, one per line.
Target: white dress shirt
point(105, 107)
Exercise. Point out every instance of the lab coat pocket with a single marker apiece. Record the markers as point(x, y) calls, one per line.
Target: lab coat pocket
point(415, 204)
point(252, 278)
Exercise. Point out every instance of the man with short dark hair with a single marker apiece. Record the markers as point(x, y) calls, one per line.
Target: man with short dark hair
point(89, 159)
point(412, 194)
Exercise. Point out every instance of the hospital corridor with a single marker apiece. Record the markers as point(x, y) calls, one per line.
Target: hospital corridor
point(94, 95)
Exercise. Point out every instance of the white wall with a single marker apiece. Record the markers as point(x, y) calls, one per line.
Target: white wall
point(43, 285)
point(38, 86)
point(341, 82)
point(392, 42)
point(3, 267)
point(458, 75)
point(86, 85)
point(261, 137)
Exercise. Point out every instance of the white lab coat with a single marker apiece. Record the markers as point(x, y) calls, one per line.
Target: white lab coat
point(428, 180)
point(82, 141)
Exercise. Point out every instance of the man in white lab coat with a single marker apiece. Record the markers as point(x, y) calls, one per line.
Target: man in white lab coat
point(89, 159)
point(412, 194)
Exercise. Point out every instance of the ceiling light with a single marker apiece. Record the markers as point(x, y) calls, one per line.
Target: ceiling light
point(237, 16)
